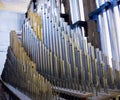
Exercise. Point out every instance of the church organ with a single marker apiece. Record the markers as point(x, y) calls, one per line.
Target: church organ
point(53, 60)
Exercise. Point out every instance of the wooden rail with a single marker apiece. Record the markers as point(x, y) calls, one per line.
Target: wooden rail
point(12, 92)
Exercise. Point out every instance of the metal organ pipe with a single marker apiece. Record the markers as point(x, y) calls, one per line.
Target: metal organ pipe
point(104, 32)
point(113, 37)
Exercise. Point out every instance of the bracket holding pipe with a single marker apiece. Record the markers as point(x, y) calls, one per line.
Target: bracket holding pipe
point(81, 24)
point(94, 15)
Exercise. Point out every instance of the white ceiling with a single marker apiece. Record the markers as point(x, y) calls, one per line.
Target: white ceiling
point(14, 5)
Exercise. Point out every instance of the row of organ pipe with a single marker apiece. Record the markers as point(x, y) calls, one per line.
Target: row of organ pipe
point(62, 57)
